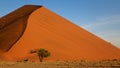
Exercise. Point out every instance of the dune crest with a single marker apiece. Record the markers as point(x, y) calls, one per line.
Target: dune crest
point(65, 40)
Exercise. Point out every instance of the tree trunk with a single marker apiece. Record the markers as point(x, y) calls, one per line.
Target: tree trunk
point(41, 59)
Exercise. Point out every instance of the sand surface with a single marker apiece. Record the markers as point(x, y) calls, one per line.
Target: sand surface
point(62, 64)
point(65, 40)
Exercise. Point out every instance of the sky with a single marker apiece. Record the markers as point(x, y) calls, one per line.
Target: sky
point(100, 17)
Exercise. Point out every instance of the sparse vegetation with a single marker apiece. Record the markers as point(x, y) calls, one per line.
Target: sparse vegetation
point(63, 64)
point(25, 60)
point(42, 53)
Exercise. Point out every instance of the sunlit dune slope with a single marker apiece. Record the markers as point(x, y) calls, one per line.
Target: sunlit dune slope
point(65, 40)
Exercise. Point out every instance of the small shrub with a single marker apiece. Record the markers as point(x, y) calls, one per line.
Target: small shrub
point(42, 53)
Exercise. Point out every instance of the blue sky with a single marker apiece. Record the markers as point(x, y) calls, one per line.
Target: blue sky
point(101, 17)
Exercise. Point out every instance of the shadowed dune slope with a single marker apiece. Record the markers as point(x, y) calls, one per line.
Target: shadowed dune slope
point(13, 25)
point(65, 40)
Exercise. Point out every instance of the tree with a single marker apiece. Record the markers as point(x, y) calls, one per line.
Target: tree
point(42, 53)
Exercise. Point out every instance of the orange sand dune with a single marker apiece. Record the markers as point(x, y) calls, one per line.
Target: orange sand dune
point(13, 25)
point(65, 40)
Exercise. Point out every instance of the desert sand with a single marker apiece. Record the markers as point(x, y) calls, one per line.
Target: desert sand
point(38, 27)
point(62, 64)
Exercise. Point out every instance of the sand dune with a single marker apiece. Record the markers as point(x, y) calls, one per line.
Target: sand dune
point(45, 29)
point(13, 25)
